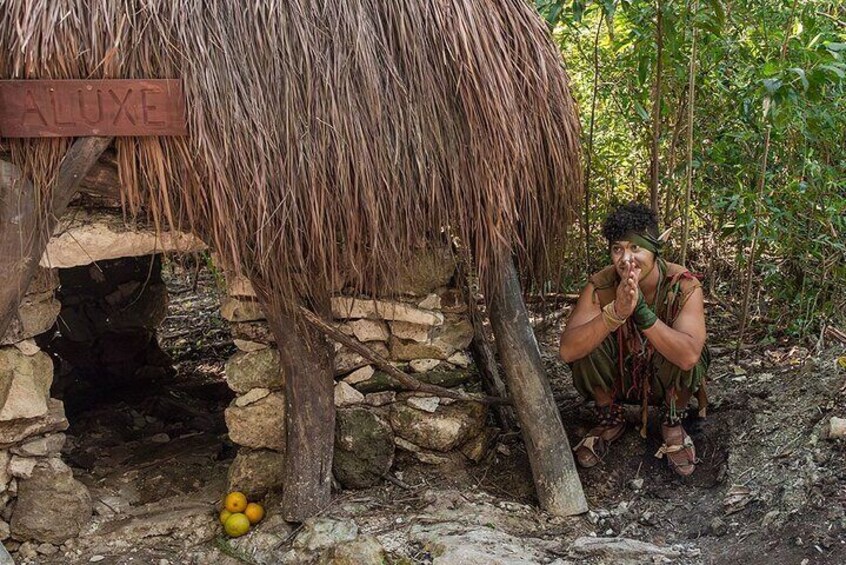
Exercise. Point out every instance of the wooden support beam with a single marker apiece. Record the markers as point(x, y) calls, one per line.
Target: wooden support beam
point(403, 379)
point(307, 370)
point(556, 479)
point(25, 228)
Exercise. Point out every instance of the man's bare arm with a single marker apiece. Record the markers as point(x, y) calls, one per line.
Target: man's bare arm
point(585, 329)
point(682, 344)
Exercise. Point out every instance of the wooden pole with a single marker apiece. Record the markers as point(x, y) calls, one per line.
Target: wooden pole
point(306, 360)
point(556, 479)
point(25, 229)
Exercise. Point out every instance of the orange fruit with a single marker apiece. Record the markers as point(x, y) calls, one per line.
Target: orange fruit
point(224, 515)
point(254, 513)
point(235, 502)
point(236, 525)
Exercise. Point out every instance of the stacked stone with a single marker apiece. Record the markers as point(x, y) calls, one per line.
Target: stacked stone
point(39, 498)
point(425, 331)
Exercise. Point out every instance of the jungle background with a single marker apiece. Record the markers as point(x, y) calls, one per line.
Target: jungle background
point(752, 173)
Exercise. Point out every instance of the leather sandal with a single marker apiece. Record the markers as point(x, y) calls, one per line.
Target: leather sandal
point(679, 449)
point(594, 446)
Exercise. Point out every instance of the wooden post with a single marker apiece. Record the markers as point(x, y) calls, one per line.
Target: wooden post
point(556, 479)
point(307, 368)
point(25, 229)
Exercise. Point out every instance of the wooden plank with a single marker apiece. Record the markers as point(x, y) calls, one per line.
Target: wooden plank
point(25, 229)
point(556, 479)
point(74, 108)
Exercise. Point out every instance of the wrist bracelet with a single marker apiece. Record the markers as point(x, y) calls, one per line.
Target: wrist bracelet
point(609, 316)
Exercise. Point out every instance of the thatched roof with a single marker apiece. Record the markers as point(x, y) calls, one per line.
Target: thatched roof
point(326, 136)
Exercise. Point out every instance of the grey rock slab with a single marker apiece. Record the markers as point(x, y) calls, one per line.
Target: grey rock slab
point(52, 506)
point(257, 369)
point(621, 550)
point(364, 447)
point(256, 472)
point(258, 425)
point(24, 384)
point(446, 429)
point(322, 533)
point(452, 543)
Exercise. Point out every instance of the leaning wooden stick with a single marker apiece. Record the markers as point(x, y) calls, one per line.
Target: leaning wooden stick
point(404, 379)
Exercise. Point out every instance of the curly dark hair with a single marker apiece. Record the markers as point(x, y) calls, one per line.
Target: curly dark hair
point(633, 216)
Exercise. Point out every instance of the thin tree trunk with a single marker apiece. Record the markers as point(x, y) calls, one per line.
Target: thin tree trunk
point(589, 167)
point(750, 265)
point(307, 369)
point(25, 229)
point(656, 111)
point(556, 479)
point(692, 99)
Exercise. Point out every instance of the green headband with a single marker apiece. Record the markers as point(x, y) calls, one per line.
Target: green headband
point(645, 240)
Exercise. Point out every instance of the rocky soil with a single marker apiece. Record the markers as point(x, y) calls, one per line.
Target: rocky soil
point(771, 487)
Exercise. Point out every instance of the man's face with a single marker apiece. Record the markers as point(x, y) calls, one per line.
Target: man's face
point(623, 252)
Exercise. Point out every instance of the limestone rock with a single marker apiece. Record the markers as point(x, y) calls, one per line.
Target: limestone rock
point(5, 476)
point(24, 384)
point(259, 425)
point(413, 332)
point(445, 341)
point(248, 346)
point(369, 330)
point(363, 550)
point(259, 369)
point(237, 310)
point(380, 398)
point(364, 448)
point(4, 532)
point(52, 506)
point(258, 332)
point(253, 395)
point(360, 375)
point(425, 403)
point(36, 315)
point(426, 271)
point(431, 302)
point(14, 431)
point(239, 285)
point(836, 427)
point(460, 359)
point(444, 430)
point(344, 307)
point(256, 472)
point(430, 458)
point(345, 395)
point(22, 467)
point(455, 544)
point(28, 347)
point(50, 444)
point(621, 550)
point(318, 534)
point(423, 365)
point(347, 360)
point(85, 237)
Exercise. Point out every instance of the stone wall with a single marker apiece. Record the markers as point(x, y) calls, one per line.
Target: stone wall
point(39, 498)
point(424, 330)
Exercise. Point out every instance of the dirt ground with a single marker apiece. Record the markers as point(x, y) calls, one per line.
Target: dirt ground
point(770, 487)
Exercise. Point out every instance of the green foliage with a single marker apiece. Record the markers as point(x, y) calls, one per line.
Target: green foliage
point(778, 64)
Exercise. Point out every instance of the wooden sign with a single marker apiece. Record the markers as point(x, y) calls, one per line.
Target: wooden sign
point(75, 108)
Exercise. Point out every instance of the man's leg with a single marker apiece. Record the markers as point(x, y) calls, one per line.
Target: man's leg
point(675, 387)
point(593, 377)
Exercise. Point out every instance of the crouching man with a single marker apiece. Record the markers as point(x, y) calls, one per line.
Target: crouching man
point(637, 335)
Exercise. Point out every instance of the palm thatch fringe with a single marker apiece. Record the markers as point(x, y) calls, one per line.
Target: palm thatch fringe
point(324, 136)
